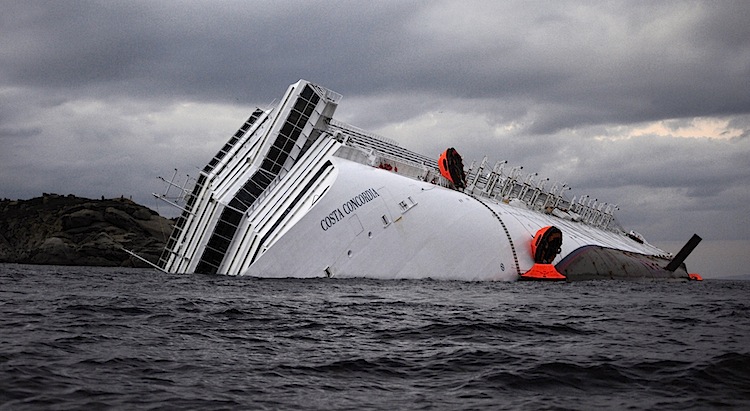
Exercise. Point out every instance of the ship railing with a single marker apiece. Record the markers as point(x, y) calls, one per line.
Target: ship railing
point(333, 96)
point(510, 185)
point(395, 153)
point(348, 127)
point(351, 136)
point(184, 201)
point(424, 170)
point(329, 95)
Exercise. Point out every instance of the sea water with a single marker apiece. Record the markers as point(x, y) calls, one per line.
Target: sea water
point(102, 338)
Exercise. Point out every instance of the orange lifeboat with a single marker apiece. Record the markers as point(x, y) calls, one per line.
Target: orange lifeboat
point(544, 248)
point(546, 244)
point(451, 167)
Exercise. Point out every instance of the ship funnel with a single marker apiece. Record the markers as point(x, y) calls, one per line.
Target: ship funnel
point(684, 253)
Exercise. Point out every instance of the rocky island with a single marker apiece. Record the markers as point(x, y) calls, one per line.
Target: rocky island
point(70, 230)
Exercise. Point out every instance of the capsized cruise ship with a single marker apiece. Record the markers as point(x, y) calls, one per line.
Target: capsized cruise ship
point(296, 193)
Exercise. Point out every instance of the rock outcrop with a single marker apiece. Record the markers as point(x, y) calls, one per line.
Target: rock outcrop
point(70, 230)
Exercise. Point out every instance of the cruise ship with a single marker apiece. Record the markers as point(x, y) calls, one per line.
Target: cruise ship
point(296, 193)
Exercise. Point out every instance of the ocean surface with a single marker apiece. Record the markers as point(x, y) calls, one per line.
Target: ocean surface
point(113, 338)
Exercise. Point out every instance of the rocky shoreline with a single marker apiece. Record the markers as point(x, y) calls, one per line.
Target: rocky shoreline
point(70, 230)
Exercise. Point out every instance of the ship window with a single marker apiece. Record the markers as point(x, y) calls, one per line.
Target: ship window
point(289, 144)
point(384, 218)
point(262, 180)
point(243, 199)
point(225, 229)
point(212, 257)
point(274, 152)
point(205, 268)
point(295, 133)
point(287, 137)
point(307, 92)
point(315, 99)
point(309, 109)
point(252, 189)
point(294, 116)
point(300, 105)
point(267, 165)
point(286, 130)
point(271, 166)
point(281, 142)
point(231, 217)
point(218, 242)
point(302, 119)
point(407, 204)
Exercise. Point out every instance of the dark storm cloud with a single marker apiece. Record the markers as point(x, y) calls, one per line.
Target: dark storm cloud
point(590, 63)
point(217, 50)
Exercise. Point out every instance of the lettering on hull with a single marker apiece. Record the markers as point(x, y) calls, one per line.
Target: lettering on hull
point(347, 208)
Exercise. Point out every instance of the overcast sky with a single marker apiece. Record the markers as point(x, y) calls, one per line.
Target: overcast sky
point(640, 103)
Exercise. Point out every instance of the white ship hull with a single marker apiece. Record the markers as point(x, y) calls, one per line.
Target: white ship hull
point(297, 194)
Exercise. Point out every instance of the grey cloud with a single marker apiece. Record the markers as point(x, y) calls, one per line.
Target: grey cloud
point(217, 50)
point(560, 54)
